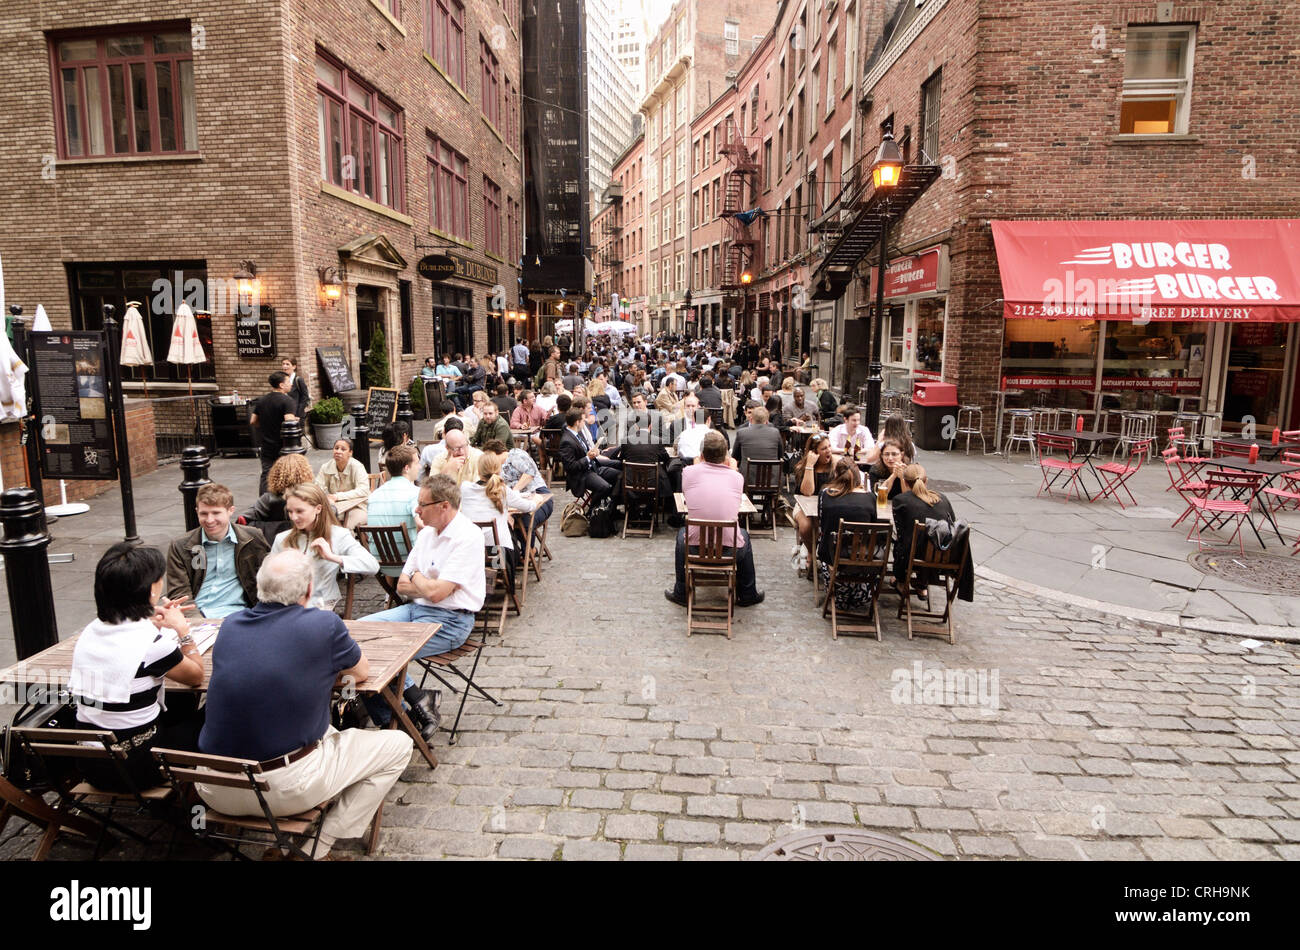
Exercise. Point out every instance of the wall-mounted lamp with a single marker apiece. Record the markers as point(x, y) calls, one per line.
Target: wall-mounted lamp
point(248, 284)
point(331, 285)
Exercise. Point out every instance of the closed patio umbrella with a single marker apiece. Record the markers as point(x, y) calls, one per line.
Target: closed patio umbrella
point(135, 345)
point(187, 349)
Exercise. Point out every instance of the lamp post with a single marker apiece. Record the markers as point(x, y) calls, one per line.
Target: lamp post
point(884, 177)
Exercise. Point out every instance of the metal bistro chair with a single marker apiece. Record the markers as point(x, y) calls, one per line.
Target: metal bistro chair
point(1182, 481)
point(1118, 473)
point(928, 564)
point(1281, 499)
point(1220, 450)
point(1135, 426)
point(1020, 430)
point(710, 566)
point(1048, 445)
point(1185, 431)
point(640, 489)
point(861, 557)
point(1221, 504)
point(970, 421)
point(763, 486)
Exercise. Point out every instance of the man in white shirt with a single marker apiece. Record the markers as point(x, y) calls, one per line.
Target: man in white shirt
point(852, 439)
point(694, 426)
point(673, 378)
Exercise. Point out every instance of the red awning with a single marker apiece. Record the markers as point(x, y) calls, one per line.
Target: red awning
point(1230, 271)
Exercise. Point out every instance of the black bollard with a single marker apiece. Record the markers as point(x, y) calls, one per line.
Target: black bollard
point(360, 436)
point(194, 466)
point(27, 571)
point(291, 438)
point(404, 412)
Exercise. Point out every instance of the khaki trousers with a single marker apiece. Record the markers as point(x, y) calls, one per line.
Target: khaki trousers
point(356, 767)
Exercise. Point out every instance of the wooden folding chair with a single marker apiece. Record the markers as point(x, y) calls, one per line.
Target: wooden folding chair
point(186, 769)
point(391, 545)
point(500, 578)
point(929, 565)
point(445, 663)
point(640, 489)
point(861, 557)
point(552, 467)
point(45, 746)
point(710, 566)
point(763, 486)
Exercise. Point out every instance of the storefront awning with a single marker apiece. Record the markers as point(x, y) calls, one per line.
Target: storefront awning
point(1228, 271)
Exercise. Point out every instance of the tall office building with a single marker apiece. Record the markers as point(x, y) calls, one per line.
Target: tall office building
point(611, 99)
point(630, 30)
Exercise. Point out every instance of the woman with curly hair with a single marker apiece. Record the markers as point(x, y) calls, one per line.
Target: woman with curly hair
point(268, 512)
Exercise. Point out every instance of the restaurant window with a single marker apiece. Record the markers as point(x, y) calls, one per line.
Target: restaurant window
point(1061, 353)
point(448, 189)
point(1257, 365)
point(930, 315)
point(930, 119)
point(444, 37)
point(495, 330)
point(408, 320)
point(894, 350)
point(453, 321)
point(1157, 80)
point(125, 94)
point(360, 136)
point(1150, 358)
point(158, 287)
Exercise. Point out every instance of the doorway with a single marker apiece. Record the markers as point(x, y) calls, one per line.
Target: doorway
point(370, 320)
point(1257, 384)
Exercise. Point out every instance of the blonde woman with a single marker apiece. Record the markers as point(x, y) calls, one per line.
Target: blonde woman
point(914, 505)
point(489, 498)
point(329, 546)
point(346, 485)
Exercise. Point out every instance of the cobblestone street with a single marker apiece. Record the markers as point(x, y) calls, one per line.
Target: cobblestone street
point(1071, 735)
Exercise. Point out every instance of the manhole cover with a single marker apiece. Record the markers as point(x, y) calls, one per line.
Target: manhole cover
point(843, 846)
point(947, 488)
point(1262, 571)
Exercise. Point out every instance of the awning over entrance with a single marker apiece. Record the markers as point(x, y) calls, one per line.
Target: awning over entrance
point(1228, 271)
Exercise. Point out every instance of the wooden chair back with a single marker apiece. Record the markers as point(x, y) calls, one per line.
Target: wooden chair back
point(861, 547)
point(188, 768)
point(927, 556)
point(390, 544)
point(641, 478)
point(762, 476)
point(712, 547)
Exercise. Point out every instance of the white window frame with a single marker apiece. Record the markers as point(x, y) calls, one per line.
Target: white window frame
point(731, 34)
point(1181, 89)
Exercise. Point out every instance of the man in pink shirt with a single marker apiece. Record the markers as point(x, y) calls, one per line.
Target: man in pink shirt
point(528, 415)
point(713, 490)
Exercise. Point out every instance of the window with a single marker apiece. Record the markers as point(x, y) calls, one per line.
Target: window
point(767, 164)
point(125, 94)
point(511, 114)
point(681, 160)
point(695, 154)
point(448, 190)
point(654, 281)
point(681, 271)
point(360, 136)
point(404, 301)
point(490, 86)
point(654, 225)
point(815, 123)
point(731, 32)
point(846, 155)
point(666, 234)
point(832, 53)
point(681, 32)
point(705, 154)
point(444, 37)
point(850, 42)
point(491, 216)
point(681, 216)
point(753, 109)
point(663, 274)
point(453, 320)
point(930, 119)
point(681, 103)
point(667, 178)
point(159, 286)
point(392, 8)
point(1157, 80)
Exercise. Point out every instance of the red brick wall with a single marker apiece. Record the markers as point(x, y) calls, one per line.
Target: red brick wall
point(140, 445)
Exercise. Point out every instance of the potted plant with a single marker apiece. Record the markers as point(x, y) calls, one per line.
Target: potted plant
point(327, 421)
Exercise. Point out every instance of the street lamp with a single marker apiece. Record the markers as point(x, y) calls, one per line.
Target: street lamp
point(885, 173)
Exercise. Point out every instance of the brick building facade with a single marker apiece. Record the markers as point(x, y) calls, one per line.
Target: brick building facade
point(356, 137)
point(619, 233)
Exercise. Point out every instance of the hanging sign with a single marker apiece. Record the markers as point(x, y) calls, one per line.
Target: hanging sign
point(436, 267)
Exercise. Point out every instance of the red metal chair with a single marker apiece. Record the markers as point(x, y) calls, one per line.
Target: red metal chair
point(1046, 445)
point(1291, 435)
point(1116, 474)
point(1221, 450)
point(1288, 495)
point(1180, 480)
point(1220, 506)
point(1177, 436)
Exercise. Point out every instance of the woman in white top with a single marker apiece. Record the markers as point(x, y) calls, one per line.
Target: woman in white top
point(119, 663)
point(489, 498)
point(546, 401)
point(329, 546)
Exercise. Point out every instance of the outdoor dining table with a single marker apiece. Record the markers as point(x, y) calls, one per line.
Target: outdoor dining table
point(808, 505)
point(1267, 450)
point(1086, 444)
point(1270, 471)
point(746, 506)
point(389, 648)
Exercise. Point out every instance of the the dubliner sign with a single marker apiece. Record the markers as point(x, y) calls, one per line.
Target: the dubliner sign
point(1143, 271)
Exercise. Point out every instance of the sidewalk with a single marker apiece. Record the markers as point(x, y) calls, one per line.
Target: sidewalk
point(1130, 562)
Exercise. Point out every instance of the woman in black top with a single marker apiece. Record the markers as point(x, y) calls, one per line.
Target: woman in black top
point(913, 506)
point(776, 412)
point(888, 469)
point(811, 473)
point(843, 499)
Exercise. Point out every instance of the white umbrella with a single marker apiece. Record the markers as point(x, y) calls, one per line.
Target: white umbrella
point(135, 345)
point(185, 347)
point(41, 322)
point(616, 326)
point(565, 325)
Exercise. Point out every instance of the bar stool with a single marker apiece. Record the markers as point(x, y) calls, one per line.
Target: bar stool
point(974, 425)
point(1046, 418)
point(1135, 426)
point(1211, 428)
point(1001, 395)
point(1020, 429)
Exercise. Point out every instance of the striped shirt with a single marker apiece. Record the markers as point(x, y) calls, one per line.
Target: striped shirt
point(143, 707)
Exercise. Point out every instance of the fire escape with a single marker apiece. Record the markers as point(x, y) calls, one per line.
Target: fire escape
point(740, 189)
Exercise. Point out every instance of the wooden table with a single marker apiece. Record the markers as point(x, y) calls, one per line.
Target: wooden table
point(746, 506)
point(389, 648)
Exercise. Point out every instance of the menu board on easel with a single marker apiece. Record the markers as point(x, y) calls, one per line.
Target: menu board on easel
point(381, 409)
point(335, 367)
point(70, 392)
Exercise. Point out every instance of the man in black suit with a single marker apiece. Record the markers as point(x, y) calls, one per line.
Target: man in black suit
point(758, 440)
point(709, 395)
point(585, 469)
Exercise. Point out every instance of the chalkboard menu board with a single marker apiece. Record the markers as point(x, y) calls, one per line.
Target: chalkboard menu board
point(334, 366)
point(70, 392)
point(381, 409)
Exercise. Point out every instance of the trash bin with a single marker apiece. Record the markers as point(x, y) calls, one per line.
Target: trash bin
point(932, 404)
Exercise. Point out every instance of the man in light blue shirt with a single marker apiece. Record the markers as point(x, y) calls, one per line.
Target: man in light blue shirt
point(393, 502)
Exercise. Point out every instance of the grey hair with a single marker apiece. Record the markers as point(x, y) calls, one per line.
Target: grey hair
point(284, 578)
